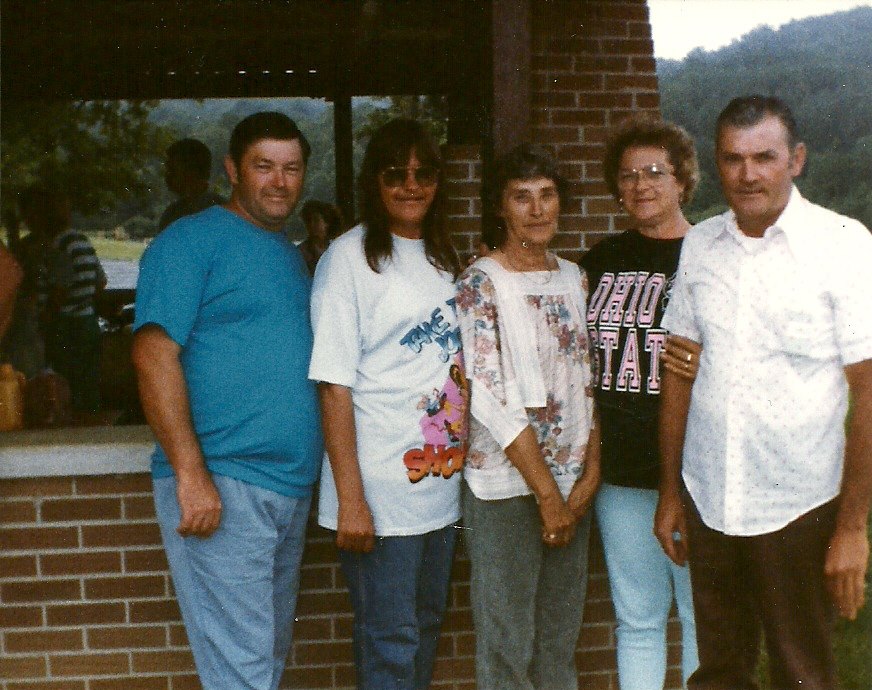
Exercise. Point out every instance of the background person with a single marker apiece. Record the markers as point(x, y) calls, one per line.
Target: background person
point(11, 276)
point(776, 499)
point(23, 344)
point(650, 168)
point(186, 172)
point(221, 346)
point(68, 280)
point(323, 225)
point(387, 356)
point(533, 462)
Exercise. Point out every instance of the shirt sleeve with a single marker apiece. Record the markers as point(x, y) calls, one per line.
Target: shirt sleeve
point(335, 319)
point(494, 397)
point(852, 296)
point(173, 274)
point(679, 317)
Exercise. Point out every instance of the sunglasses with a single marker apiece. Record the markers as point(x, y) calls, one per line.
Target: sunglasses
point(425, 176)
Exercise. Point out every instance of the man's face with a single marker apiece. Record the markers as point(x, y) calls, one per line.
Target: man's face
point(267, 183)
point(757, 167)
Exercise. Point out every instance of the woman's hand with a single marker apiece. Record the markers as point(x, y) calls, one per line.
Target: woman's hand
point(681, 356)
point(585, 488)
point(355, 530)
point(582, 494)
point(558, 522)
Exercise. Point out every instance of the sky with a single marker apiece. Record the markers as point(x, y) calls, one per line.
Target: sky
point(679, 26)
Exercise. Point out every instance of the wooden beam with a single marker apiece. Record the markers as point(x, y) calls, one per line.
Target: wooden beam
point(344, 152)
point(511, 48)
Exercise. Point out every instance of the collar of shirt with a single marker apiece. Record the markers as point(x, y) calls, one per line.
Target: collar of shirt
point(792, 224)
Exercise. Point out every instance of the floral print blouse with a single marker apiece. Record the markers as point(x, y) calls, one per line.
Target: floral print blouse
point(497, 412)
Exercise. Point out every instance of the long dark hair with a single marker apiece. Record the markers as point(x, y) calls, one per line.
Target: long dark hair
point(392, 145)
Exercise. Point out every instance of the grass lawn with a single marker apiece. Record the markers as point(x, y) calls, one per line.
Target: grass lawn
point(854, 651)
point(121, 250)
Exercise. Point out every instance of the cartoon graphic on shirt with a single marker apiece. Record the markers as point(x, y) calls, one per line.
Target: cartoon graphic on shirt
point(445, 419)
point(443, 424)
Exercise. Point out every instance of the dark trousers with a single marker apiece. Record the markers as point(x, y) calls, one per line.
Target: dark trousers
point(774, 583)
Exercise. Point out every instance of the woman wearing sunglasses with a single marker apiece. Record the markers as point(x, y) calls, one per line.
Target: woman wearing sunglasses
point(387, 356)
point(650, 167)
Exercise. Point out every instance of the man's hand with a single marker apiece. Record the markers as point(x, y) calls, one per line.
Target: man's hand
point(670, 527)
point(558, 522)
point(355, 530)
point(681, 357)
point(845, 569)
point(199, 504)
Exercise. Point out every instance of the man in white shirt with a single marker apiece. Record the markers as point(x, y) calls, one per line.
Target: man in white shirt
point(761, 489)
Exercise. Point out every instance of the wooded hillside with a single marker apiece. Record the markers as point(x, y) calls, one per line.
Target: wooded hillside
point(822, 67)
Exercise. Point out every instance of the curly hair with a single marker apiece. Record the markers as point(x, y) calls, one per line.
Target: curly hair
point(646, 130)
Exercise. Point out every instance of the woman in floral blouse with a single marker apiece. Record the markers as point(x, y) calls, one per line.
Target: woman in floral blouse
point(533, 460)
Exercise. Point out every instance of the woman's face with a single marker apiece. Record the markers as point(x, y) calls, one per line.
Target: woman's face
point(407, 194)
point(530, 209)
point(649, 189)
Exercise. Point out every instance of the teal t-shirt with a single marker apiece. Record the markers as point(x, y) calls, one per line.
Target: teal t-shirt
point(235, 298)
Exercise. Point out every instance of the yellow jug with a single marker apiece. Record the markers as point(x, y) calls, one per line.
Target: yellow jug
point(11, 398)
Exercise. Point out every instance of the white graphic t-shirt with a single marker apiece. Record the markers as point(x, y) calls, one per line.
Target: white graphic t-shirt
point(392, 338)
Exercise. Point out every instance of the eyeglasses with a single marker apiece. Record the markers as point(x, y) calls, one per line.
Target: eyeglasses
point(425, 176)
point(654, 173)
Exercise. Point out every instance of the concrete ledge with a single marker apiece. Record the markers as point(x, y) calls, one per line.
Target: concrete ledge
point(75, 452)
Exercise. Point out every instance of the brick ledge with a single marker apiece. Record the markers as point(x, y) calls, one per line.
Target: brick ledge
point(77, 452)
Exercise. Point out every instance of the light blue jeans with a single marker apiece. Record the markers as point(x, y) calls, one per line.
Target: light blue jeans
point(237, 589)
point(643, 581)
point(527, 598)
point(399, 592)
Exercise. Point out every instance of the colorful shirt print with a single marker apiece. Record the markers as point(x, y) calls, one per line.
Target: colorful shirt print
point(562, 426)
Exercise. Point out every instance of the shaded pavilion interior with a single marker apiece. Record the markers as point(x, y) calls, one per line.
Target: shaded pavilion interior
point(155, 49)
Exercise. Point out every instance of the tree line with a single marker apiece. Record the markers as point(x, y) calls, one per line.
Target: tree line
point(822, 67)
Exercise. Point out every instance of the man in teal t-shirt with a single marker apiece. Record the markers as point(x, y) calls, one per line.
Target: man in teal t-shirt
point(222, 345)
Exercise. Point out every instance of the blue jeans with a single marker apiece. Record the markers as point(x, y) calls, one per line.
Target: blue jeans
point(237, 589)
point(399, 592)
point(643, 581)
point(527, 598)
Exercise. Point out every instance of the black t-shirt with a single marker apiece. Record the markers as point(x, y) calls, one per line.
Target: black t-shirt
point(631, 278)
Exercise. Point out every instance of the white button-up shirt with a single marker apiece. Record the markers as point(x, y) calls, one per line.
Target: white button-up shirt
point(779, 317)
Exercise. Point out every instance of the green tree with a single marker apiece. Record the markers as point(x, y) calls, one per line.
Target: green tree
point(820, 66)
point(96, 151)
point(430, 110)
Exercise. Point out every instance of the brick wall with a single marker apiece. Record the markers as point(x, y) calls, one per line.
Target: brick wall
point(86, 602)
point(592, 66)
